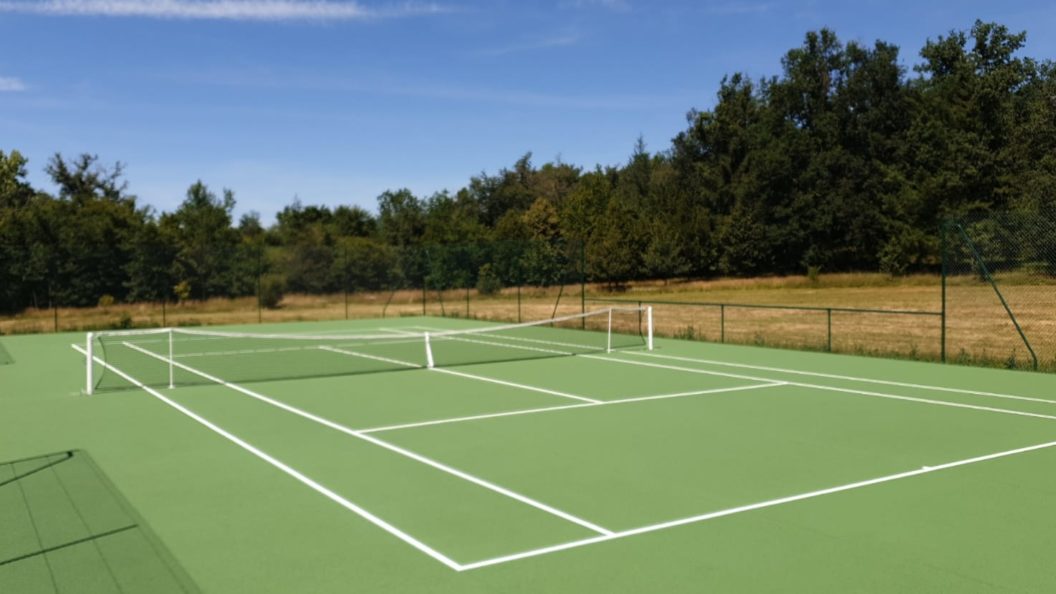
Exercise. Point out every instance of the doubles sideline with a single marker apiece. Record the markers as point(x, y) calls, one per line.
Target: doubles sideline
point(288, 470)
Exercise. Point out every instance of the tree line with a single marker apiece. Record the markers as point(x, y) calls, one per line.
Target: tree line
point(846, 160)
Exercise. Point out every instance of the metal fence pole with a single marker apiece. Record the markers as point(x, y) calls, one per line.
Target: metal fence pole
point(722, 323)
point(828, 313)
point(944, 247)
point(344, 283)
point(260, 294)
point(582, 283)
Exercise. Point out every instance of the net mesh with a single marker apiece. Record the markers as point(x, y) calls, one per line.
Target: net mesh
point(202, 356)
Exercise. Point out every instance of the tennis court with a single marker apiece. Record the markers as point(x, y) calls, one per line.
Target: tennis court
point(444, 455)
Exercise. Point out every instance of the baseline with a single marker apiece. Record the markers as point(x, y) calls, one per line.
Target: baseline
point(754, 506)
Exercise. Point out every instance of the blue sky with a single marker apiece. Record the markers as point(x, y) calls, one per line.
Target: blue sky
point(335, 102)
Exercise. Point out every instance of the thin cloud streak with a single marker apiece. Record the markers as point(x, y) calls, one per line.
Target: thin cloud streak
point(231, 10)
point(613, 5)
point(457, 93)
point(539, 44)
point(11, 85)
point(741, 8)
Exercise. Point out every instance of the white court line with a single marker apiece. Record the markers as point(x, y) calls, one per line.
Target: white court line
point(388, 446)
point(345, 503)
point(516, 385)
point(583, 542)
point(373, 357)
point(826, 375)
point(529, 411)
point(849, 378)
point(463, 374)
point(833, 388)
point(753, 506)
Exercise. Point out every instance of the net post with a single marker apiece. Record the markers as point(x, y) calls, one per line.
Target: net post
point(649, 327)
point(172, 373)
point(428, 352)
point(608, 343)
point(89, 360)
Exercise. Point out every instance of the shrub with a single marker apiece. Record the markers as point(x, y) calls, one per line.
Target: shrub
point(488, 282)
point(814, 274)
point(106, 301)
point(123, 323)
point(272, 287)
point(182, 290)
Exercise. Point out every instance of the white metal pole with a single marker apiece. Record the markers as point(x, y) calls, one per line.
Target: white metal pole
point(649, 327)
point(428, 352)
point(172, 373)
point(608, 344)
point(90, 381)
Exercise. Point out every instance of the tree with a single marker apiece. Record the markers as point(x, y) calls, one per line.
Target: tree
point(206, 242)
point(151, 268)
point(85, 236)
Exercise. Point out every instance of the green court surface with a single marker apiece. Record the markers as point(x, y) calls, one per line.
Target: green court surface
point(692, 467)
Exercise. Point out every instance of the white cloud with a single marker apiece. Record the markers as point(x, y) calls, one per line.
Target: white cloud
point(235, 10)
point(11, 85)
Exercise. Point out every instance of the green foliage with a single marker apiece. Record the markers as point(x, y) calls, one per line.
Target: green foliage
point(488, 282)
point(842, 161)
point(124, 322)
point(206, 243)
point(272, 290)
point(814, 274)
point(182, 291)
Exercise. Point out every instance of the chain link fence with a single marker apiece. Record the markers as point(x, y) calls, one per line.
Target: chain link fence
point(999, 285)
point(503, 281)
point(993, 304)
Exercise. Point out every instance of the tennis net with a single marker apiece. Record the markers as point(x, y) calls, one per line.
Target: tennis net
point(183, 356)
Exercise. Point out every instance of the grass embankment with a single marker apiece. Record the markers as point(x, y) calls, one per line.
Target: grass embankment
point(978, 329)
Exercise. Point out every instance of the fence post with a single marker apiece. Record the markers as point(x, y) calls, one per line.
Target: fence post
point(344, 282)
point(260, 294)
point(582, 283)
point(944, 247)
point(828, 313)
point(639, 318)
point(722, 323)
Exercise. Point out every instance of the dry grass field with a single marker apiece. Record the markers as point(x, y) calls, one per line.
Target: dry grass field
point(978, 329)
